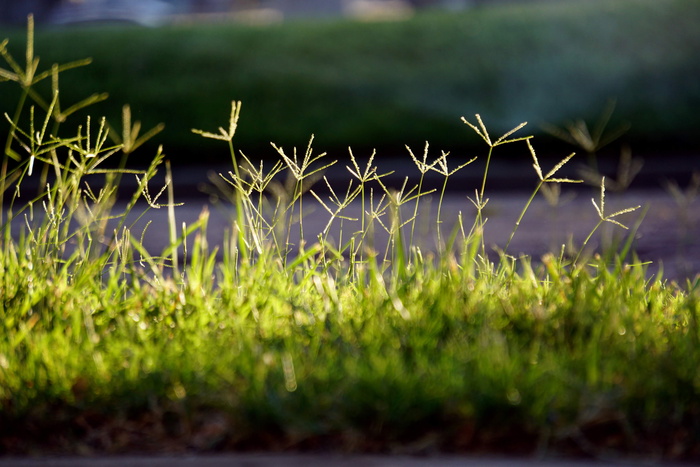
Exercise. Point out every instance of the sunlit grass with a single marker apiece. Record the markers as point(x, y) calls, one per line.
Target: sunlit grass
point(332, 343)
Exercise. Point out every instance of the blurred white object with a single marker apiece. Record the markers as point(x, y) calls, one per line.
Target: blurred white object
point(378, 9)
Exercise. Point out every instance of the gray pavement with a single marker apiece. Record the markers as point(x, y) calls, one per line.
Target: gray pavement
point(668, 236)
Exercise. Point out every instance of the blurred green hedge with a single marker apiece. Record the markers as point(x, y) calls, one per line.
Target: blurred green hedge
point(388, 84)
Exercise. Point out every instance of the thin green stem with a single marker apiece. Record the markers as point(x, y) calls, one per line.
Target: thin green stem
point(8, 150)
point(415, 209)
point(15, 121)
point(486, 172)
point(301, 216)
point(172, 227)
point(439, 211)
point(360, 246)
point(585, 242)
point(479, 221)
point(234, 161)
point(290, 221)
point(240, 220)
point(522, 214)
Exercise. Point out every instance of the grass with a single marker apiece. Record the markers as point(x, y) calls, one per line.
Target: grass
point(332, 344)
point(391, 84)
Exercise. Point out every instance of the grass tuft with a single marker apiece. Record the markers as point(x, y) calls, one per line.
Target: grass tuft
point(274, 342)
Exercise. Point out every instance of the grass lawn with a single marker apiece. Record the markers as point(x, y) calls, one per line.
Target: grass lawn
point(388, 84)
point(266, 344)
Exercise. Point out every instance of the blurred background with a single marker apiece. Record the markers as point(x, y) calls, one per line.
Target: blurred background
point(380, 74)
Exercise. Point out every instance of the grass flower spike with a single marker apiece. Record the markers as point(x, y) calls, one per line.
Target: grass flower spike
point(549, 178)
point(602, 217)
point(225, 135)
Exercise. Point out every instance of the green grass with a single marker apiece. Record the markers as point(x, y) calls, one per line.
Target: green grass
point(336, 344)
point(390, 84)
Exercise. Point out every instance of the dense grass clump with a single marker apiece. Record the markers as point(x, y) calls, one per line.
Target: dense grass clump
point(290, 340)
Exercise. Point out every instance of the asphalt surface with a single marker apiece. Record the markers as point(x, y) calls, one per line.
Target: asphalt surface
point(667, 236)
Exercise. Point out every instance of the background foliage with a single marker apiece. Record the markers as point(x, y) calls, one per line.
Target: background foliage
point(389, 84)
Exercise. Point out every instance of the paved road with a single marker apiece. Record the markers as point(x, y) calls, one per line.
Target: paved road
point(669, 234)
point(668, 237)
